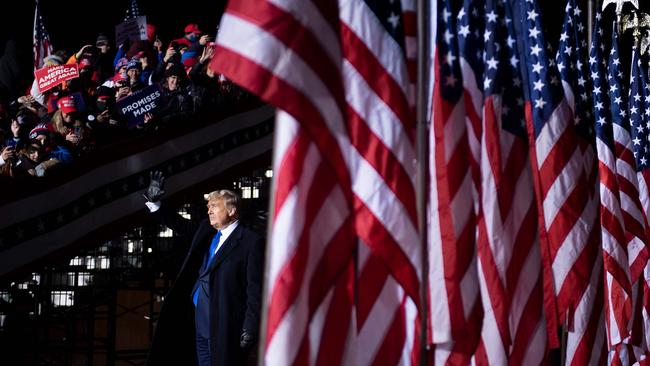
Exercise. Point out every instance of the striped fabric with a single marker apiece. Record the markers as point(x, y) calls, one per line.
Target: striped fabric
point(344, 175)
point(566, 214)
point(636, 206)
point(581, 291)
point(455, 306)
point(615, 180)
point(509, 257)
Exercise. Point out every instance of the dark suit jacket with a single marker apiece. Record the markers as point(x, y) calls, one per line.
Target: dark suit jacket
point(235, 277)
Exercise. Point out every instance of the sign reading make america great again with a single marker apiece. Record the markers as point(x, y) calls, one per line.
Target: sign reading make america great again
point(51, 76)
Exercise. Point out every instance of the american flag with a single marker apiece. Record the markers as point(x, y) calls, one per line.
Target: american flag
point(636, 218)
point(132, 11)
point(41, 40)
point(344, 176)
point(509, 258)
point(566, 214)
point(470, 29)
point(455, 307)
point(611, 220)
point(617, 178)
point(579, 291)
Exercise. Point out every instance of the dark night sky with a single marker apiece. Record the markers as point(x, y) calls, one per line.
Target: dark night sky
point(73, 23)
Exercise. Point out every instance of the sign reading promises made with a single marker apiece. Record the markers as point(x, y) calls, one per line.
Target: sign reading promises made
point(135, 106)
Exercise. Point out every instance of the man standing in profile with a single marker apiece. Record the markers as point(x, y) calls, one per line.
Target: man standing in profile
point(218, 288)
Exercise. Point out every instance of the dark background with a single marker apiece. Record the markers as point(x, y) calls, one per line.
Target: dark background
point(74, 23)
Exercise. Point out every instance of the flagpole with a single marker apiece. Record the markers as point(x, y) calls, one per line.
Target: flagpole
point(261, 345)
point(422, 113)
point(590, 20)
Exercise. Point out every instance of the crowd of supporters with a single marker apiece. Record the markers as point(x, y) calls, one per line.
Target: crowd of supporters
point(42, 132)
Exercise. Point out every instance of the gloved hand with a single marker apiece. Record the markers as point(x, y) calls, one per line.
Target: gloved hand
point(246, 340)
point(155, 191)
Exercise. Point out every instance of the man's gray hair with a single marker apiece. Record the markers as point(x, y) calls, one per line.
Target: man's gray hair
point(230, 198)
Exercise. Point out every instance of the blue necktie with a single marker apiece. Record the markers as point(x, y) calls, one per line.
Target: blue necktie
point(213, 248)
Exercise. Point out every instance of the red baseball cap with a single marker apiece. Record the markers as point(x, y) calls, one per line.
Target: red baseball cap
point(40, 129)
point(192, 28)
point(67, 105)
point(84, 63)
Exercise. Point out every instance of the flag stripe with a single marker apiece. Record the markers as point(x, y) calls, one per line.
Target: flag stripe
point(354, 105)
point(380, 80)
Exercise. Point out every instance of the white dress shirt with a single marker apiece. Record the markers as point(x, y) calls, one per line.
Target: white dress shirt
point(225, 233)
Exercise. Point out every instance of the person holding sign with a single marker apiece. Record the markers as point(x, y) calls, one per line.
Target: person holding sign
point(179, 104)
point(66, 123)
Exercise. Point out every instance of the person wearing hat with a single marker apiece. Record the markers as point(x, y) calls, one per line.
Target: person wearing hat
point(29, 158)
point(146, 63)
point(122, 87)
point(120, 73)
point(67, 124)
point(106, 124)
point(194, 50)
point(103, 43)
point(52, 60)
point(105, 58)
point(50, 154)
point(23, 121)
point(88, 78)
point(179, 103)
point(133, 71)
point(192, 34)
point(43, 134)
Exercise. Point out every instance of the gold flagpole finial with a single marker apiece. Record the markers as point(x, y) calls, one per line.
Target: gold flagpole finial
point(619, 9)
point(619, 4)
point(645, 42)
point(636, 21)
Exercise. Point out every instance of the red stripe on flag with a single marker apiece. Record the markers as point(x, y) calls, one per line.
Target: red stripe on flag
point(289, 280)
point(382, 158)
point(267, 86)
point(285, 182)
point(378, 78)
point(377, 237)
point(391, 350)
point(550, 307)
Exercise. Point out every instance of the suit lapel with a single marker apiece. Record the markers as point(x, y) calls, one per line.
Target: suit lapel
point(200, 245)
point(225, 249)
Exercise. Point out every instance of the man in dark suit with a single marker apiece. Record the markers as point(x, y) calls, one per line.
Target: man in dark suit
point(216, 298)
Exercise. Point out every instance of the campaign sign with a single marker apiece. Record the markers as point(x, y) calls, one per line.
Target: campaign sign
point(51, 76)
point(135, 106)
point(133, 29)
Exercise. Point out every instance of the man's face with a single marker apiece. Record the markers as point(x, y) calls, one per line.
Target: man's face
point(133, 73)
point(172, 82)
point(103, 47)
point(219, 215)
